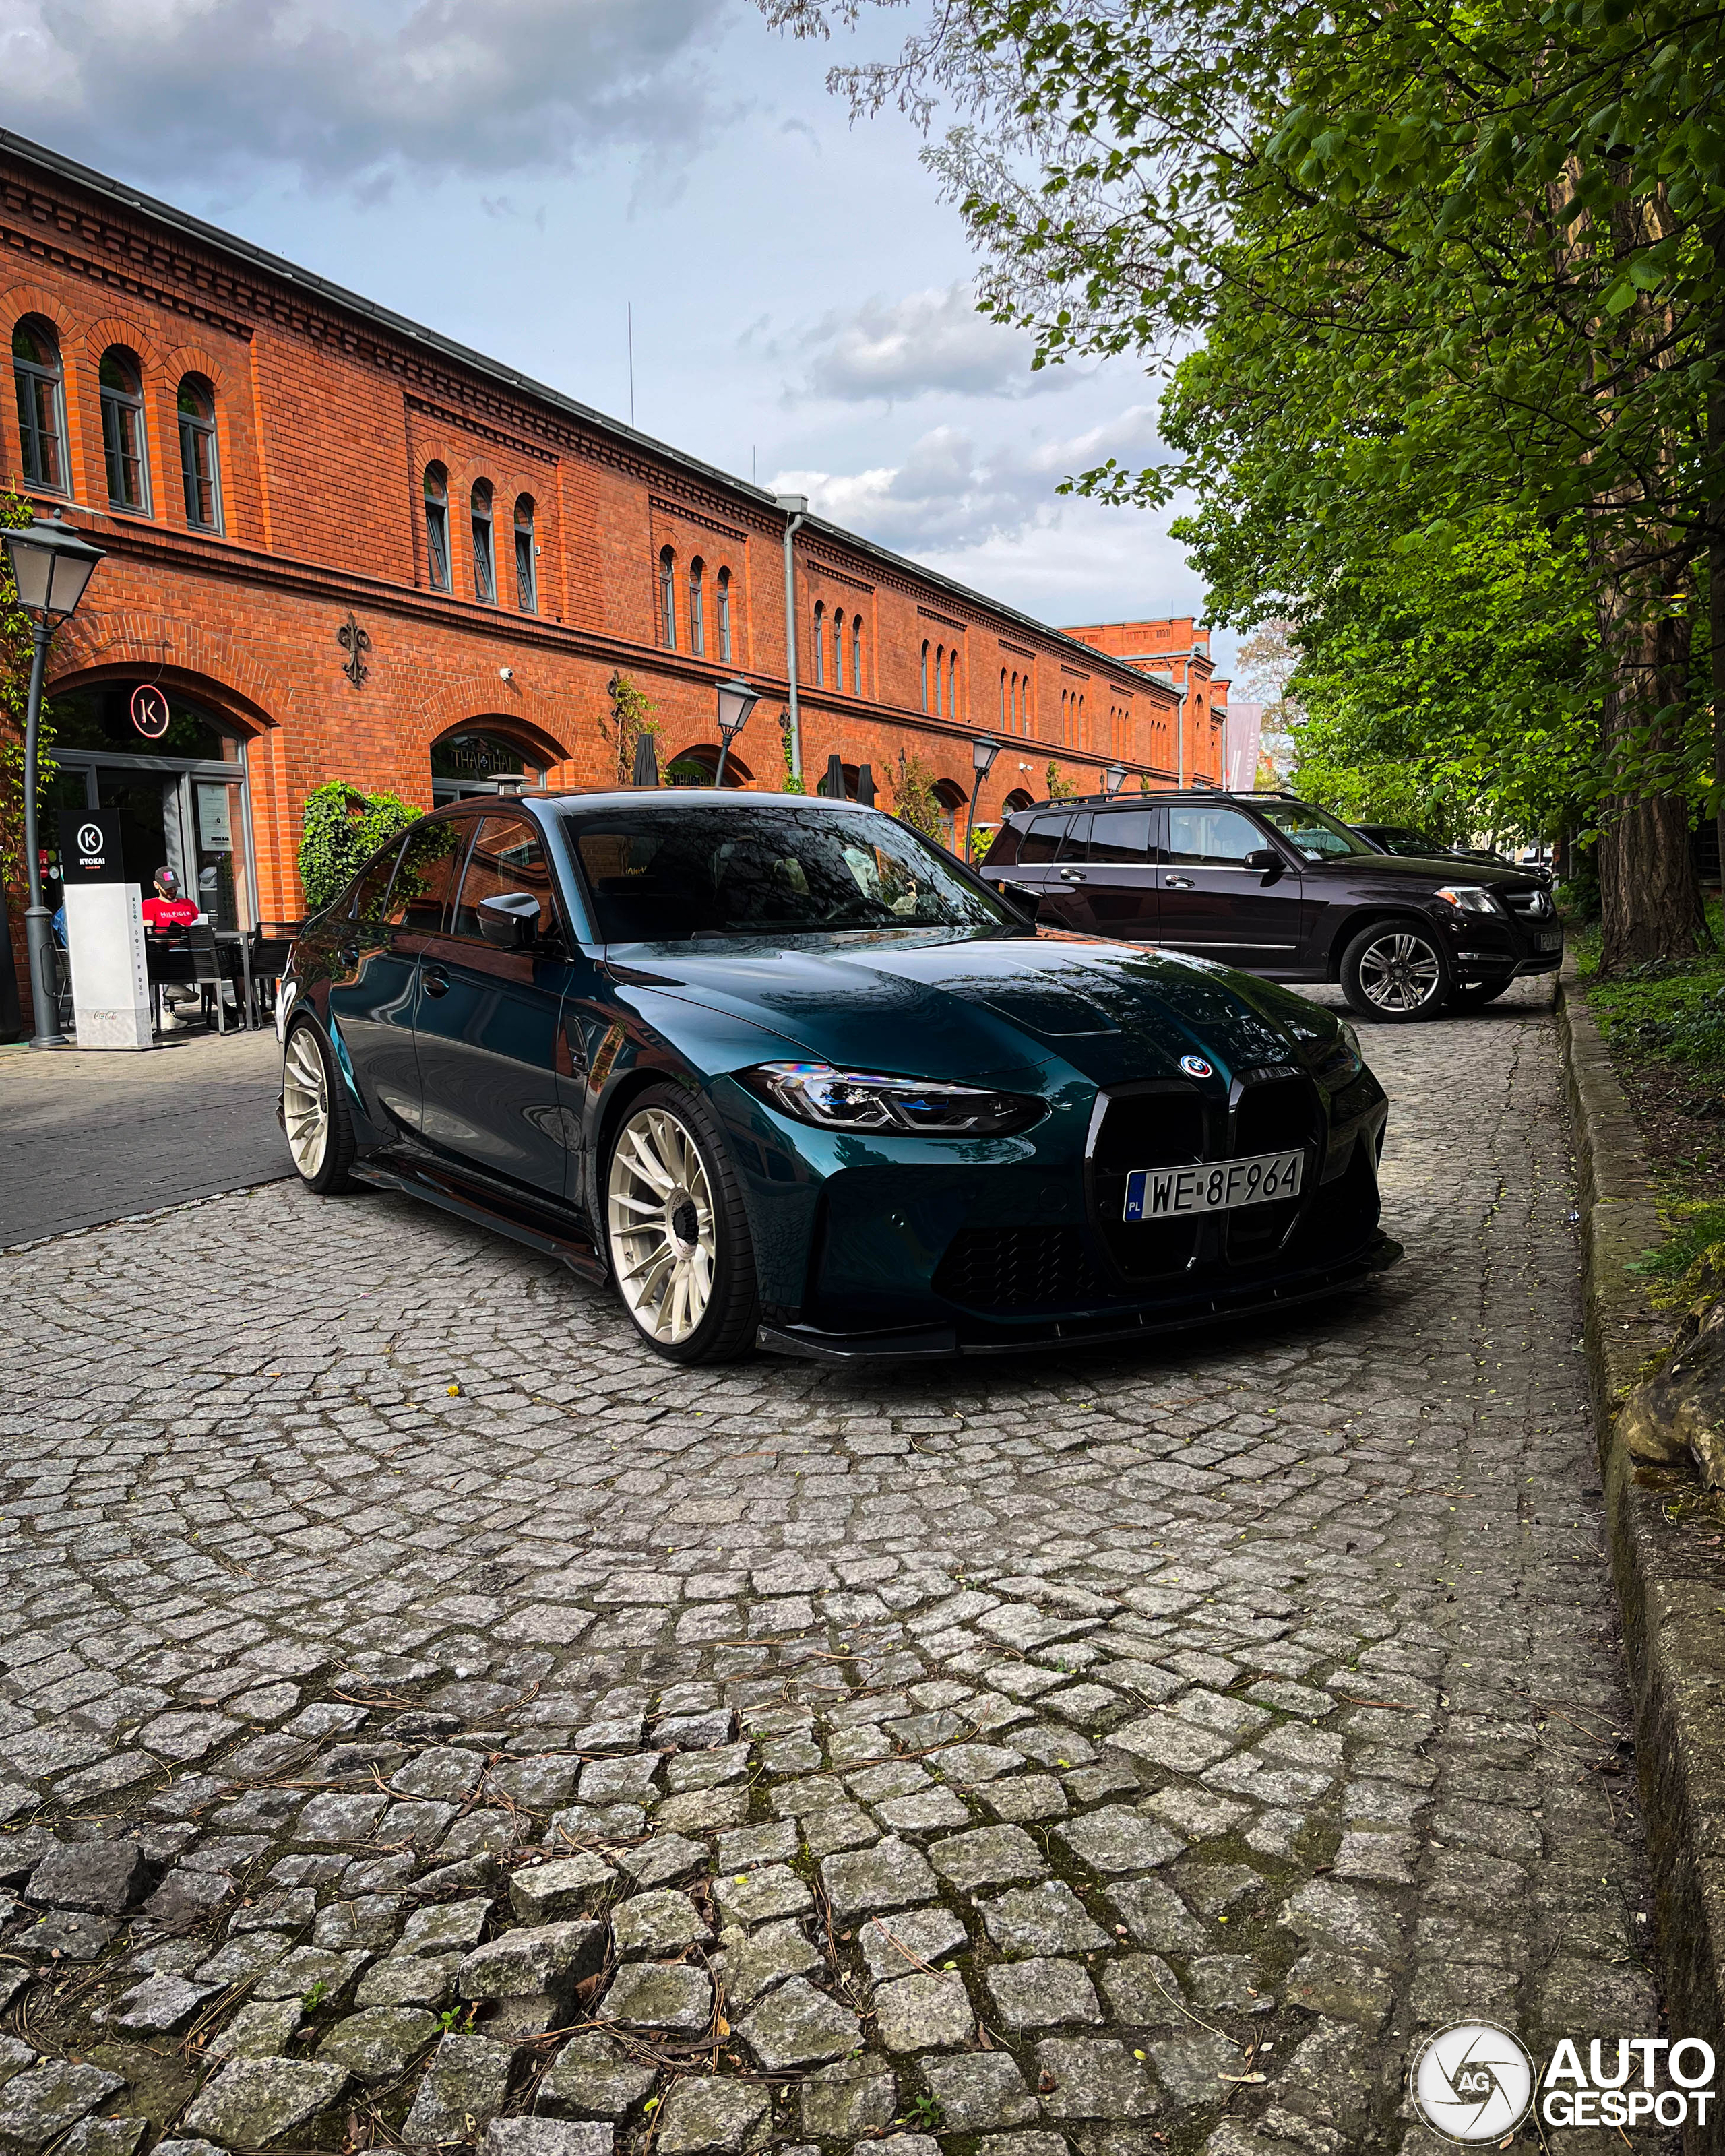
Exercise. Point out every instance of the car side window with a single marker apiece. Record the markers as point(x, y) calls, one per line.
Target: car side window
point(371, 894)
point(508, 855)
point(1005, 852)
point(1210, 838)
point(1120, 835)
point(1075, 845)
point(1042, 840)
point(430, 861)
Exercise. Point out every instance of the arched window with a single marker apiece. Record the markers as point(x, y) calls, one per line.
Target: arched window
point(527, 556)
point(1066, 699)
point(697, 608)
point(925, 677)
point(724, 608)
point(940, 678)
point(1002, 694)
point(820, 645)
point(41, 403)
point(952, 687)
point(437, 527)
point(122, 391)
point(200, 470)
point(484, 558)
point(838, 647)
point(668, 599)
point(856, 686)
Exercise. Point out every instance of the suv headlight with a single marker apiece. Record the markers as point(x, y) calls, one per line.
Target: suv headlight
point(1467, 898)
point(867, 1101)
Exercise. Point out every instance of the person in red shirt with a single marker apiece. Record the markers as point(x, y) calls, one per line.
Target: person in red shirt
point(168, 909)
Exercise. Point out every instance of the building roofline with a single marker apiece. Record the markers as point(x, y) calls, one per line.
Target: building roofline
point(259, 258)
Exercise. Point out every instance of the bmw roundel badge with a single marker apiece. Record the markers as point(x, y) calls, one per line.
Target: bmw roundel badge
point(1194, 1066)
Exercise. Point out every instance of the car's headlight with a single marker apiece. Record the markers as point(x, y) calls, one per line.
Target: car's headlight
point(1467, 898)
point(868, 1100)
point(1344, 1059)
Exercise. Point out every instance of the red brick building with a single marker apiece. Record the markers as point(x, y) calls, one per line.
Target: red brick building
point(340, 545)
point(1177, 653)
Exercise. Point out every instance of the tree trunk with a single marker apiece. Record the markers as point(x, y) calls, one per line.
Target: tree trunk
point(1715, 565)
point(1650, 901)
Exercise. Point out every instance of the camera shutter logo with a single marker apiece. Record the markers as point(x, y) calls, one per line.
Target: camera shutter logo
point(1472, 2082)
point(90, 838)
point(149, 712)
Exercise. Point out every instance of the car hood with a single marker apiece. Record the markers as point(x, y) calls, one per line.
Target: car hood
point(1431, 872)
point(951, 1006)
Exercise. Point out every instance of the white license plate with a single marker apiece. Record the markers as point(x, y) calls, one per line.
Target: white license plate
point(1218, 1186)
point(1548, 939)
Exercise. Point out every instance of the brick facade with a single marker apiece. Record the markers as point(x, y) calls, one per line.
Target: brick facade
point(1176, 651)
point(328, 411)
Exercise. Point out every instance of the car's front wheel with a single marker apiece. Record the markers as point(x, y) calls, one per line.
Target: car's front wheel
point(314, 1113)
point(676, 1232)
point(1395, 972)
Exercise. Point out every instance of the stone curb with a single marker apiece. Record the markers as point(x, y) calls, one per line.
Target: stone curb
point(1670, 1590)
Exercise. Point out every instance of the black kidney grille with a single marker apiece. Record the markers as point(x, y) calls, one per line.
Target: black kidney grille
point(1275, 1115)
point(1150, 1130)
point(1017, 1269)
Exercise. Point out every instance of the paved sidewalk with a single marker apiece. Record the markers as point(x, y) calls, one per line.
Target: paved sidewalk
point(1140, 1749)
point(87, 1137)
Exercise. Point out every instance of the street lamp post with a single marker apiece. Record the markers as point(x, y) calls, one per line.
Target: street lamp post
point(1113, 778)
point(737, 699)
point(982, 753)
point(51, 564)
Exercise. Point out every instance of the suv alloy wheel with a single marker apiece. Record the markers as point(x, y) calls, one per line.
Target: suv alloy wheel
point(1395, 972)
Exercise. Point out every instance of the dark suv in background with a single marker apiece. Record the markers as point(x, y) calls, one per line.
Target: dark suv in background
point(1270, 884)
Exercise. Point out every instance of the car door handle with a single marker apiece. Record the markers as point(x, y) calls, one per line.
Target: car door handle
point(1179, 883)
point(436, 981)
point(1072, 875)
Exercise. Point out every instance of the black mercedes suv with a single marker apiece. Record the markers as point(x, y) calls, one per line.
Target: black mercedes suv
point(1270, 884)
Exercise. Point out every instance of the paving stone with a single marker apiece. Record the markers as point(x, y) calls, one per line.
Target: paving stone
point(446, 1927)
point(1196, 1815)
point(1018, 1798)
point(1155, 1916)
point(695, 1769)
point(14, 2057)
point(545, 2137)
point(662, 1922)
point(889, 1875)
point(43, 2100)
point(1143, 1991)
point(253, 2102)
point(566, 1887)
point(840, 1826)
point(1341, 1987)
point(702, 2114)
point(380, 2043)
point(765, 1958)
point(924, 2014)
point(852, 2097)
point(1091, 2077)
point(796, 2026)
point(544, 1958)
point(589, 2079)
point(368, 1920)
point(106, 1877)
point(892, 1944)
point(1042, 1993)
point(980, 2091)
point(1358, 1919)
point(649, 1995)
point(338, 1815)
point(104, 2137)
point(465, 2086)
point(1046, 1919)
point(160, 2006)
point(924, 1811)
point(987, 1856)
point(1190, 2068)
point(667, 1860)
point(742, 1848)
point(263, 2030)
point(755, 1897)
point(1115, 1840)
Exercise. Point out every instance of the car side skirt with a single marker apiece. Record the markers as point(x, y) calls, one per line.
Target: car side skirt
point(563, 1237)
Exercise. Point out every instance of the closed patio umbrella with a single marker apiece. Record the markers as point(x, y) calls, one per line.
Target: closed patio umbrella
point(646, 762)
point(865, 786)
point(833, 785)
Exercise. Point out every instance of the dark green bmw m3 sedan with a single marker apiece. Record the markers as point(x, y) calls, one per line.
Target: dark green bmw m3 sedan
point(784, 1074)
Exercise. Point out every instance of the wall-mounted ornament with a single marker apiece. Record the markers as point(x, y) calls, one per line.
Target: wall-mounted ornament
point(356, 643)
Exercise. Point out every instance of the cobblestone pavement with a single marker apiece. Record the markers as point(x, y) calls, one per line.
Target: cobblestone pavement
point(426, 1716)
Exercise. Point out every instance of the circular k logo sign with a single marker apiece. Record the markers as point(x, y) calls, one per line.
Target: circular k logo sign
point(1472, 2082)
point(90, 838)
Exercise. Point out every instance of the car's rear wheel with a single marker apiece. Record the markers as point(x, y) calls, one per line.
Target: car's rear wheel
point(314, 1113)
point(1395, 972)
point(1474, 995)
point(676, 1232)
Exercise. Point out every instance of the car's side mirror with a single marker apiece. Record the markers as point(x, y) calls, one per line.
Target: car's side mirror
point(1266, 860)
point(510, 919)
point(1020, 896)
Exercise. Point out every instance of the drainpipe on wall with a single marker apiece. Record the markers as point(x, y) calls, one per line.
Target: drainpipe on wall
point(796, 510)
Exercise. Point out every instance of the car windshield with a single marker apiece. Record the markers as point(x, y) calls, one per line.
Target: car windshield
point(1317, 834)
point(669, 875)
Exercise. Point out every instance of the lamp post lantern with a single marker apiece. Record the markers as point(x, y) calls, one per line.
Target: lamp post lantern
point(1114, 778)
point(982, 753)
point(51, 564)
point(737, 699)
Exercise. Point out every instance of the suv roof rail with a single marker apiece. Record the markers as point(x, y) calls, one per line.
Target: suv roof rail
point(1201, 788)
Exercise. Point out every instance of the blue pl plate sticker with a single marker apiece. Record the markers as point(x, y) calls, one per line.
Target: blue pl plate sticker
point(1135, 1183)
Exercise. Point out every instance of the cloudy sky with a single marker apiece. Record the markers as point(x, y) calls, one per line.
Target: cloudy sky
point(518, 173)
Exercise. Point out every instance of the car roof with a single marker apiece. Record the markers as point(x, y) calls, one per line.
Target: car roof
point(1233, 798)
point(617, 797)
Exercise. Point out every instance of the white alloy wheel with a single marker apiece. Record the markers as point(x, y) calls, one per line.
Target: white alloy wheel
point(305, 1101)
point(659, 1210)
point(1399, 973)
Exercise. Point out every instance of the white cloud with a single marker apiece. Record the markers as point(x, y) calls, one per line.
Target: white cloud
point(356, 92)
point(945, 494)
point(926, 343)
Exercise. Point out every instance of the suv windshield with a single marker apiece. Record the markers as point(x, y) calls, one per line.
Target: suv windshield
point(669, 875)
point(1317, 834)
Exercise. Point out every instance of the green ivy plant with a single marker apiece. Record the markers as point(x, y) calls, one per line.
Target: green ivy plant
point(1060, 789)
point(914, 801)
point(14, 697)
point(342, 828)
point(793, 782)
point(631, 720)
